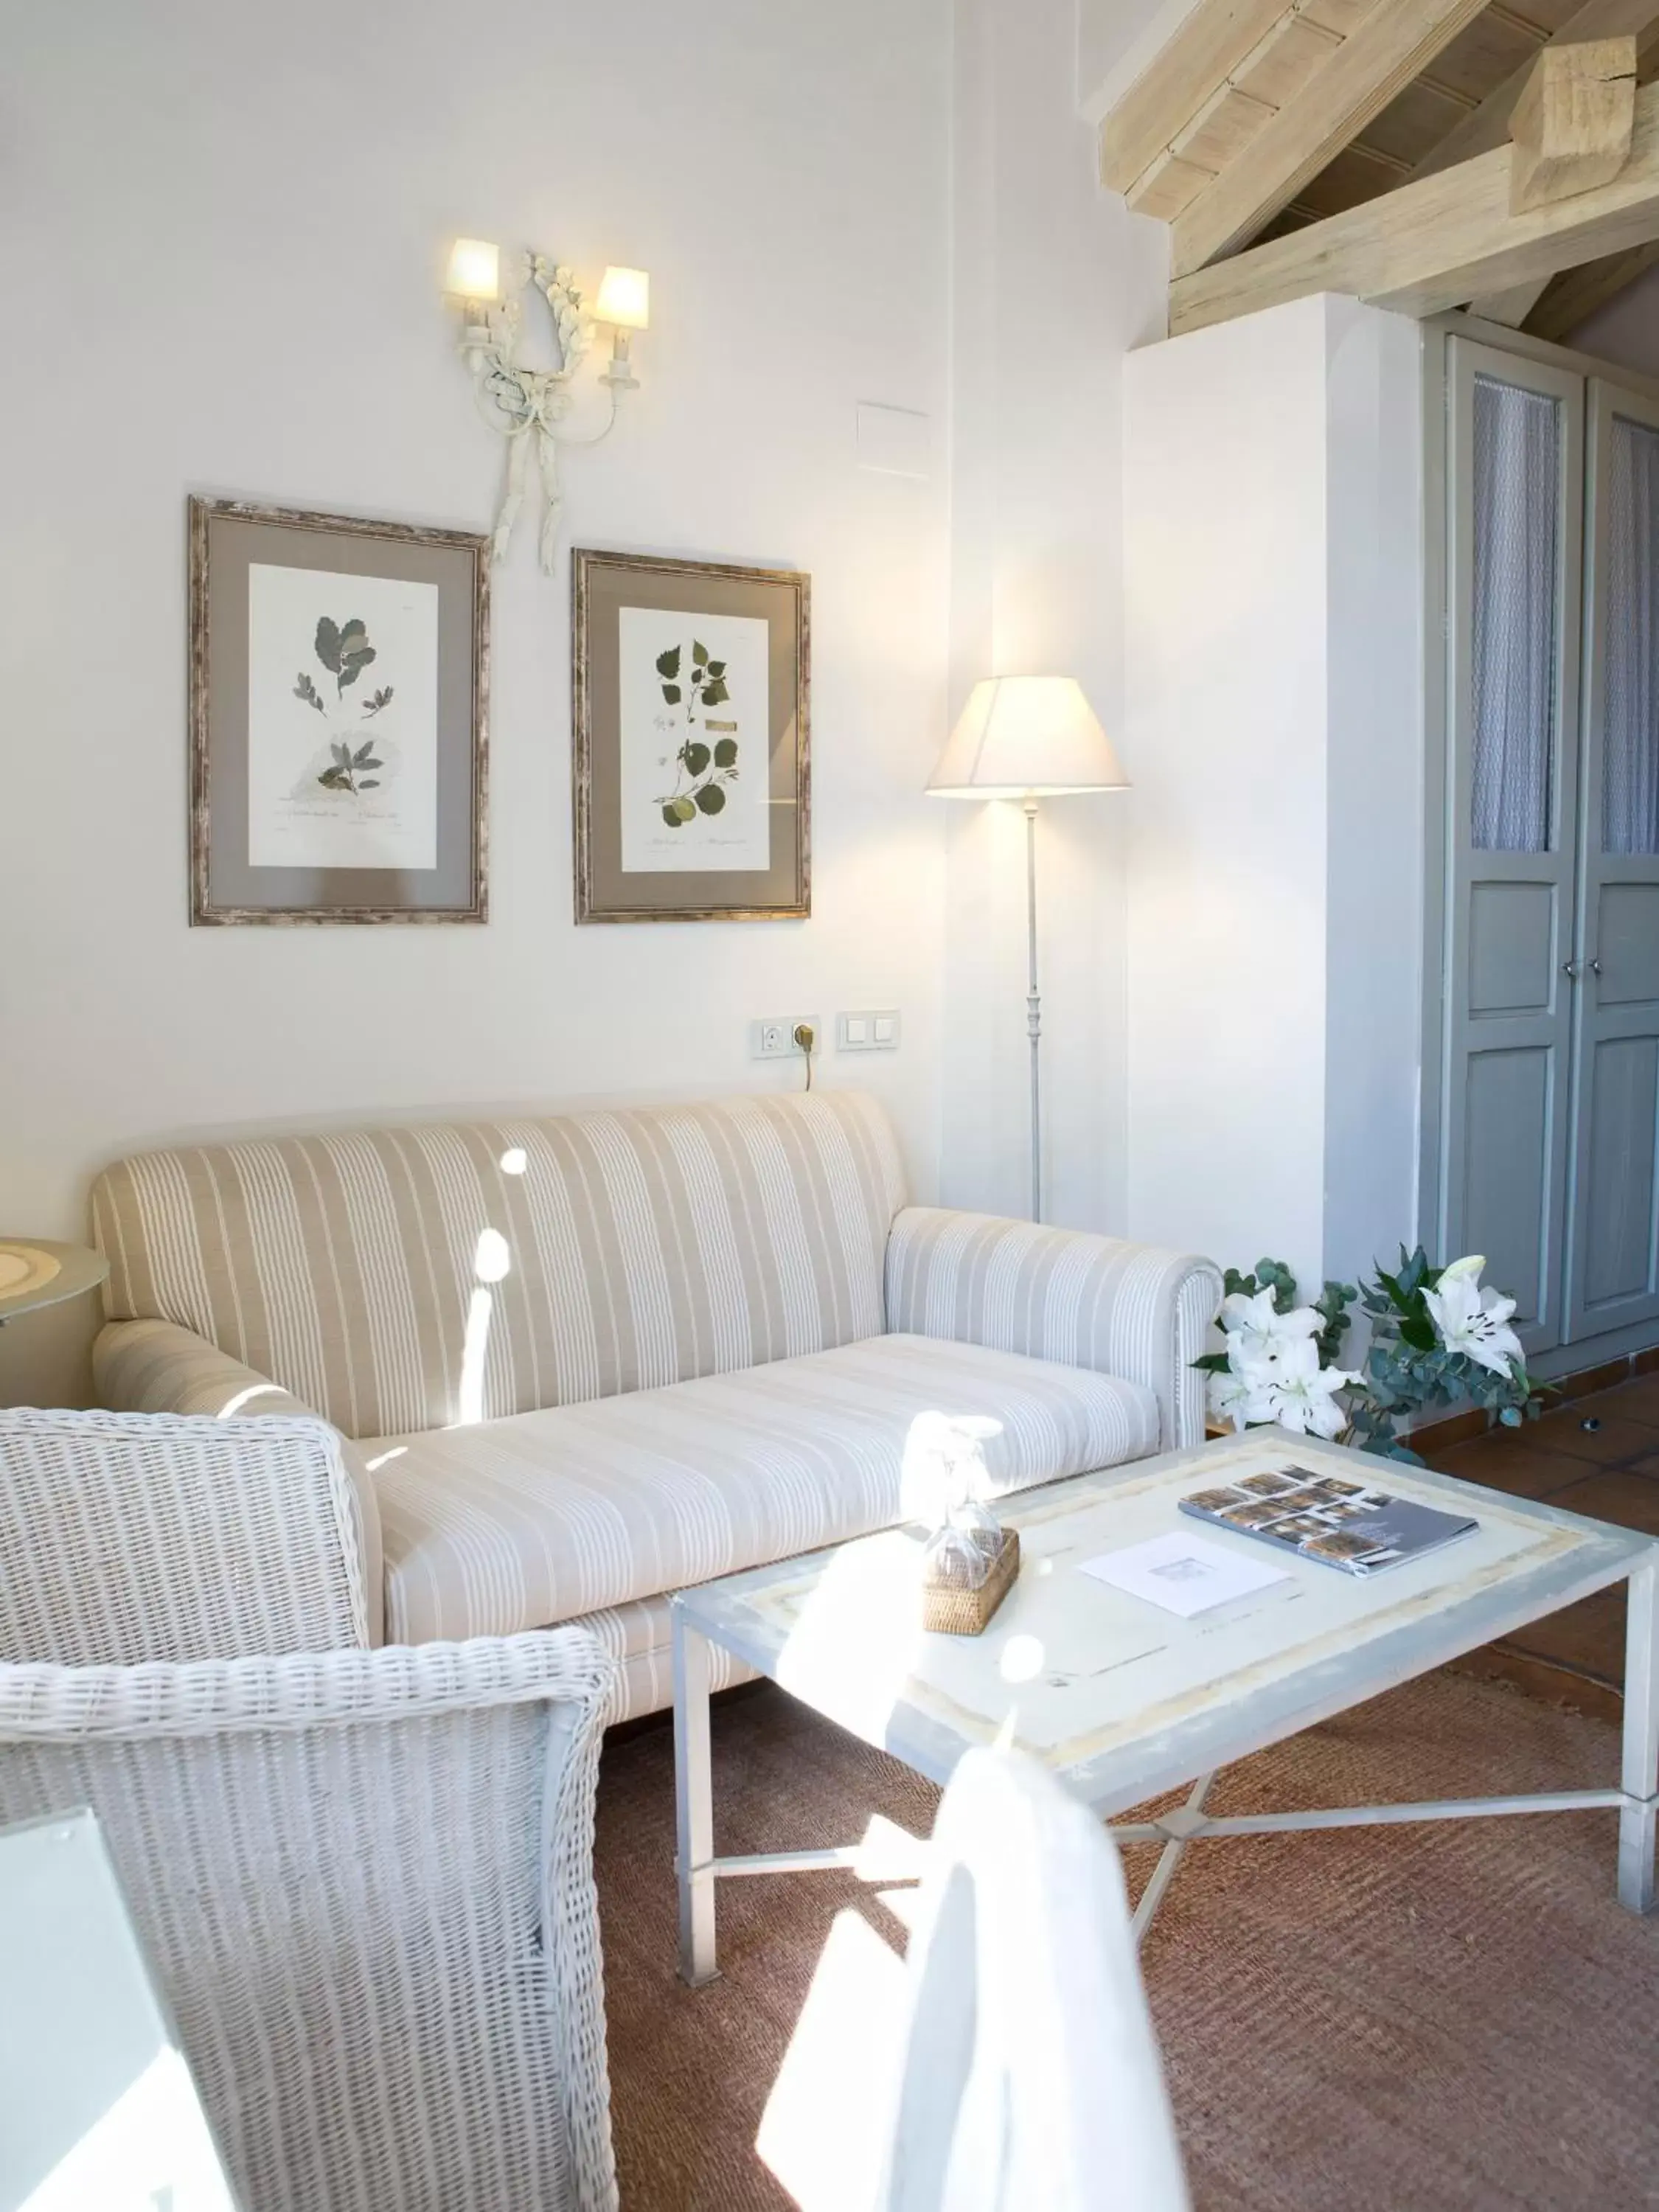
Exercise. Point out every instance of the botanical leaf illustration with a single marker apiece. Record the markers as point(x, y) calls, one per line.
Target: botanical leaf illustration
point(347, 771)
point(374, 706)
point(701, 770)
point(343, 649)
point(306, 689)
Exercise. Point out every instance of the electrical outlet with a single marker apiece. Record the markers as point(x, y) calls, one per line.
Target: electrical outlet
point(876, 1031)
point(773, 1038)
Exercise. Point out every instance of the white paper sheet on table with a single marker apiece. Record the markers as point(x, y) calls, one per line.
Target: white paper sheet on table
point(1182, 1574)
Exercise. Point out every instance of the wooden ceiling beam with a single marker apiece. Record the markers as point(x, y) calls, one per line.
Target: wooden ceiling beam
point(1488, 125)
point(1512, 308)
point(1439, 242)
point(1572, 123)
point(1178, 82)
point(1386, 51)
point(1576, 295)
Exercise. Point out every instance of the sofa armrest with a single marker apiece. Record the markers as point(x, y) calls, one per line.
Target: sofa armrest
point(157, 1367)
point(1131, 1310)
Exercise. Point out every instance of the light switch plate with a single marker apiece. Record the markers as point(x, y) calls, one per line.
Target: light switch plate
point(875, 1029)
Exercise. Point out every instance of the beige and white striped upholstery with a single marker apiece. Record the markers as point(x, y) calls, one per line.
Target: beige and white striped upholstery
point(643, 1248)
point(715, 1326)
point(559, 1514)
point(1133, 1310)
point(639, 1638)
point(365, 1882)
point(130, 1537)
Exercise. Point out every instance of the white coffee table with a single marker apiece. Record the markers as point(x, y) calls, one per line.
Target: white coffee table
point(1124, 1701)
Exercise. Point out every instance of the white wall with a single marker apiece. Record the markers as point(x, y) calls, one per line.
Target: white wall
point(1055, 281)
point(222, 238)
point(1273, 470)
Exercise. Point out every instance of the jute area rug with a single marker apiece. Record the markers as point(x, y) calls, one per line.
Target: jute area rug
point(1424, 2018)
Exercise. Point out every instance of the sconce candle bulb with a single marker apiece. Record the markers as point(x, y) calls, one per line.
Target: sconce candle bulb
point(475, 270)
point(625, 302)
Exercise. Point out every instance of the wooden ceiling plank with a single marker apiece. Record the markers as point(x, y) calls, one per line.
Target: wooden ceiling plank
point(1393, 43)
point(1578, 294)
point(1168, 186)
point(1181, 77)
point(1286, 59)
point(1438, 242)
point(1572, 123)
point(1223, 131)
point(1488, 126)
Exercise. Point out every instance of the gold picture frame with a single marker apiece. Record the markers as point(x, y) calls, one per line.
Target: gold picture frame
point(690, 719)
point(282, 830)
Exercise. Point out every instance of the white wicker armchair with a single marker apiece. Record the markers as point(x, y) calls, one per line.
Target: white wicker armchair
point(128, 1537)
point(364, 1880)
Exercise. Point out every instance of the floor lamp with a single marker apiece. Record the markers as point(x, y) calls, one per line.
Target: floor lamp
point(1028, 738)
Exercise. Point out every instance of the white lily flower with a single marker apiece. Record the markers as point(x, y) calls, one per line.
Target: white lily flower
point(1470, 1264)
point(1302, 1395)
point(1474, 1323)
point(1240, 1397)
point(1256, 1331)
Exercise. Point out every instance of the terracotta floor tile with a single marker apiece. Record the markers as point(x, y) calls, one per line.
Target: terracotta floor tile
point(1521, 1469)
point(1617, 1438)
point(1590, 1634)
point(1619, 1495)
point(1632, 1401)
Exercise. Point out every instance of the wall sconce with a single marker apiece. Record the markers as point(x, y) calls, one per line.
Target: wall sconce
point(525, 404)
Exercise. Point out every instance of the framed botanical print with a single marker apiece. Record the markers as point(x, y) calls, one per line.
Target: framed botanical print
point(690, 721)
point(338, 688)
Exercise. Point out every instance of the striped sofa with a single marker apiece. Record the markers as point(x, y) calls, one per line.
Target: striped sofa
point(578, 1363)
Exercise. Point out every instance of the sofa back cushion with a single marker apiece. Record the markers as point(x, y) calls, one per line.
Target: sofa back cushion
point(407, 1279)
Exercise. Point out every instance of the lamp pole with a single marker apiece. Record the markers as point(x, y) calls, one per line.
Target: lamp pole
point(1034, 1006)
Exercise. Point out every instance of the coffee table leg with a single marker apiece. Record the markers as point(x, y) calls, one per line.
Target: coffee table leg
point(1639, 1778)
point(694, 1805)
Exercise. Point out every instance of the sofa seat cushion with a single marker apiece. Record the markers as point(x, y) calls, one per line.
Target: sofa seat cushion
point(521, 1522)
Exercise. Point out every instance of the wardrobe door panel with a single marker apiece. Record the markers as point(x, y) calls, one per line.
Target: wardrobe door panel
point(1516, 452)
point(1613, 1274)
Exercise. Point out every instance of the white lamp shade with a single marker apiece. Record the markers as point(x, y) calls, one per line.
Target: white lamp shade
point(624, 299)
point(475, 270)
point(1025, 737)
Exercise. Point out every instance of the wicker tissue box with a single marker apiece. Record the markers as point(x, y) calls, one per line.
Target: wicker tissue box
point(948, 1609)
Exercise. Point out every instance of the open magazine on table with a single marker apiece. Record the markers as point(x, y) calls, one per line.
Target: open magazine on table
point(1352, 1525)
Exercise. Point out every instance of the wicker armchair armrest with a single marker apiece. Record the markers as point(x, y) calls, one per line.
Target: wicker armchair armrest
point(1131, 1310)
point(365, 1881)
point(157, 1367)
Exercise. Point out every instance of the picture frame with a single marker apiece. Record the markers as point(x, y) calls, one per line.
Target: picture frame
point(332, 657)
point(690, 721)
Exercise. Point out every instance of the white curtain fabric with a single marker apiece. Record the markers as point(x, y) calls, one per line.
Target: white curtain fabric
point(1629, 755)
point(1517, 558)
point(1031, 2079)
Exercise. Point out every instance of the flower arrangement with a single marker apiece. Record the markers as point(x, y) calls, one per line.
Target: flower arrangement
point(1437, 1337)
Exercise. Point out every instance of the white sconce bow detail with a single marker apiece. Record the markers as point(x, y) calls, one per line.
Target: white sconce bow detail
point(526, 403)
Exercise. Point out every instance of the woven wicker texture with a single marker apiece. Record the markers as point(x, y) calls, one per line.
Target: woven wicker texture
point(127, 1537)
point(365, 1880)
